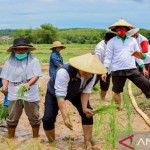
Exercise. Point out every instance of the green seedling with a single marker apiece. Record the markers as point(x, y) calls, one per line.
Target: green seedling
point(21, 91)
point(104, 108)
point(3, 112)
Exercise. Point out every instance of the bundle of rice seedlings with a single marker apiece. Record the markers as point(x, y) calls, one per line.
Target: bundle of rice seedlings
point(69, 118)
point(22, 89)
point(3, 112)
point(105, 108)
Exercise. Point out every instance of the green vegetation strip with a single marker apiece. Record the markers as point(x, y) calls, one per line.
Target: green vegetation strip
point(104, 108)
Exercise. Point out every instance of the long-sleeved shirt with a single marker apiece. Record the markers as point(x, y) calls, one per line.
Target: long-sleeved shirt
point(118, 53)
point(55, 62)
point(100, 51)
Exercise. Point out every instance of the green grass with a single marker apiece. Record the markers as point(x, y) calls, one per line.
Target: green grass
point(3, 112)
point(43, 52)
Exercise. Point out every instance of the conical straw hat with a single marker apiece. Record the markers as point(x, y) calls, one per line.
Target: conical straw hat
point(88, 63)
point(121, 22)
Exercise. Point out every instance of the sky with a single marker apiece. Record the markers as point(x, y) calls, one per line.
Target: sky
point(25, 14)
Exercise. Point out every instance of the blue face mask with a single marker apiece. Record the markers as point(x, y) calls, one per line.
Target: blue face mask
point(21, 56)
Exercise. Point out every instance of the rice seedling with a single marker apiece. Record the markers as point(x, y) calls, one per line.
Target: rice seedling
point(3, 112)
point(40, 89)
point(105, 108)
point(128, 106)
point(96, 88)
point(69, 144)
point(99, 120)
point(69, 118)
point(21, 91)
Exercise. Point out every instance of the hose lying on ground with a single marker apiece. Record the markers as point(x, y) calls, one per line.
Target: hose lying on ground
point(144, 116)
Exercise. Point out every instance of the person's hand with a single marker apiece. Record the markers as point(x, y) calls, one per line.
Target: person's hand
point(68, 123)
point(103, 77)
point(4, 89)
point(137, 54)
point(27, 87)
point(145, 73)
point(88, 112)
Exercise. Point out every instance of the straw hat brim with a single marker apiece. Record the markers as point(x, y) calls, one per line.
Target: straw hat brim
point(29, 47)
point(63, 47)
point(121, 22)
point(88, 63)
point(132, 32)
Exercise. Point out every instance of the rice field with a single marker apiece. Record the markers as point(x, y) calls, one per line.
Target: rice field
point(108, 122)
point(43, 51)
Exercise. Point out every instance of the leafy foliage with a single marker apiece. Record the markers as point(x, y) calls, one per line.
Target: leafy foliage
point(82, 36)
point(47, 33)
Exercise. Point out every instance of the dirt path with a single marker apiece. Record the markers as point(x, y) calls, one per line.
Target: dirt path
point(64, 136)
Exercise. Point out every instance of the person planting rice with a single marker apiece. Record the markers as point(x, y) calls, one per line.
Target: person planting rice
point(22, 70)
point(74, 82)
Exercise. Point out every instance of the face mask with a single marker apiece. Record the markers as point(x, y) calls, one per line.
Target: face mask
point(121, 32)
point(21, 56)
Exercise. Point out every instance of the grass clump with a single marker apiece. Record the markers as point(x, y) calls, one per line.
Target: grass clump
point(3, 112)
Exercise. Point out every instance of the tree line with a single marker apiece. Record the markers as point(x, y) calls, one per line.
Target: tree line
point(47, 33)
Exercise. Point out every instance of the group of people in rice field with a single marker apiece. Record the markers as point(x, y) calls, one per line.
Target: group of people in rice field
point(122, 55)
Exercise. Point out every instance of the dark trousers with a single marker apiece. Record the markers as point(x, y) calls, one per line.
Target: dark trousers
point(119, 78)
point(104, 86)
point(51, 111)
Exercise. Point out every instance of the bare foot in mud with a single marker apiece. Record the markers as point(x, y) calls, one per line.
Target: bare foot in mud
point(91, 145)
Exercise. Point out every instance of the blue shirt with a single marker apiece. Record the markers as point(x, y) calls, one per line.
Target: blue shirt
point(55, 62)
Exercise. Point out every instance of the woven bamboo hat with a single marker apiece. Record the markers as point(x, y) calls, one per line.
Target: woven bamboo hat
point(88, 63)
point(132, 32)
point(121, 22)
point(57, 44)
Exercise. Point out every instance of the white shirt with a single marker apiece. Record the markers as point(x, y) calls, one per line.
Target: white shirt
point(62, 80)
point(118, 54)
point(100, 51)
point(32, 95)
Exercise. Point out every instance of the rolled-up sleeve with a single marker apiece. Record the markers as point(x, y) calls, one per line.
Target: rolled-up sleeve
point(61, 83)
